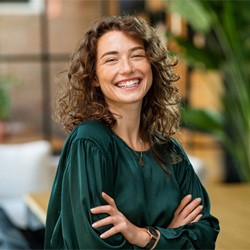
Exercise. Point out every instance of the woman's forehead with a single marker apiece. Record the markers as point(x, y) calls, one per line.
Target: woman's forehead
point(117, 39)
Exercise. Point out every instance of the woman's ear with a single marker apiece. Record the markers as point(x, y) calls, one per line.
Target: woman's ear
point(96, 82)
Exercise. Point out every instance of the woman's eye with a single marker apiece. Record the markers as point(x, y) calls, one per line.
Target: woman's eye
point(110, 60)
point(138, 56)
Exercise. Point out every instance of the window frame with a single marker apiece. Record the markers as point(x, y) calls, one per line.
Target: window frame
point(22, 8)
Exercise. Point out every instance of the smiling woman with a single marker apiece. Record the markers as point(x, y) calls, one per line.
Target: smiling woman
point(123, 182)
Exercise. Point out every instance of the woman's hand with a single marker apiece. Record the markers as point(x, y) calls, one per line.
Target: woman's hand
point(187, 212)
point(133, 234)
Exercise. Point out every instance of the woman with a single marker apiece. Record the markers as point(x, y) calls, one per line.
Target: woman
point(122, 181)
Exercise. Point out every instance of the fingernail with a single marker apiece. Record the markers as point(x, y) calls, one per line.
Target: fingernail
point(94, 225)
point(102, 236)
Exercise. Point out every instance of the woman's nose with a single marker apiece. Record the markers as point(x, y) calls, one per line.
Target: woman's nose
point(126, 67)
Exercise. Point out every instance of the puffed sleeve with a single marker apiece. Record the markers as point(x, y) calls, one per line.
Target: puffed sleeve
point(87, 173)
point(199, 235)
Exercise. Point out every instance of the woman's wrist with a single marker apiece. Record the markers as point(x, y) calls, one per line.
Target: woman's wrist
point(154, 237)
point(157, 240)
point(142, 238)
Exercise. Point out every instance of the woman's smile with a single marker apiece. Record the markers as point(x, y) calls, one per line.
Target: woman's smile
point(128, 83)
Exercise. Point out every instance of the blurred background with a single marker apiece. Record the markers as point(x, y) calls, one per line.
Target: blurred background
point(212, 42)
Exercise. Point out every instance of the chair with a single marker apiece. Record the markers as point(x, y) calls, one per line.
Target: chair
point(199, 167)
point(24, 168)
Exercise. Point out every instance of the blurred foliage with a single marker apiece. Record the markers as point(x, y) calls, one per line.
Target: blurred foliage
point(6, 83)
point(225, 28)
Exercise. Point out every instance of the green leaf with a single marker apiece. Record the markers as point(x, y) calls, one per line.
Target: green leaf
point(208, 121)
point(194, 12)
point(6, 82)
point(198, 57)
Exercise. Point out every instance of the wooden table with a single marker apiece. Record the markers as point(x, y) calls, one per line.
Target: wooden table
point(230, 203)
point(38, 203)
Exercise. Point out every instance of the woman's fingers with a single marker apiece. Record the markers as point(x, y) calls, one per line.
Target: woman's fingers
point(118, 222)
point(193, 215)
point(183, 203)
point(191, 207)
point(109, 209)
point(113, 219)
point(109, 200)
point(198, 217)
point(189, 211)
point(102, 209)
point(112, 231)
point(103, 222)
point(110, 220)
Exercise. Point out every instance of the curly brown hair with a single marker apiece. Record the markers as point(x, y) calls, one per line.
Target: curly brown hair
point(83, 101)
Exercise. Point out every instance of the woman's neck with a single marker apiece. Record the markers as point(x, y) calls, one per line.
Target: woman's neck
point(128, 127)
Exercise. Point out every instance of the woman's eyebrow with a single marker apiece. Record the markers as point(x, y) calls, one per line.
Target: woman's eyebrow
point(109, 53)
point(116, 52)
point(137, 48)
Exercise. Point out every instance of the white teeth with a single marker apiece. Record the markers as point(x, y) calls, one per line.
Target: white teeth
point(128, 83)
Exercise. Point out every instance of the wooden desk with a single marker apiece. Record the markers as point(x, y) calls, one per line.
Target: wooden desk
point(38, 203)
point(230, 203)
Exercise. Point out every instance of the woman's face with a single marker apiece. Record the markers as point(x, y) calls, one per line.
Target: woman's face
point(123, 70)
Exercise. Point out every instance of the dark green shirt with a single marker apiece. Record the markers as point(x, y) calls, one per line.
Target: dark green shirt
point(94, 159)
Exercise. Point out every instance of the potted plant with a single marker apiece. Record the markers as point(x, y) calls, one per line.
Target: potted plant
point(6, 82)
point(225, 29)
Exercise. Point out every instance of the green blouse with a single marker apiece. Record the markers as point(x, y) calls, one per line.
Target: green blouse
point(94, 159)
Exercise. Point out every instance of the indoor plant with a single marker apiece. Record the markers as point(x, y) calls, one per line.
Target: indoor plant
point(226, 33)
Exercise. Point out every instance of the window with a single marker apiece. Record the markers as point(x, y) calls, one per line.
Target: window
point(10, 7)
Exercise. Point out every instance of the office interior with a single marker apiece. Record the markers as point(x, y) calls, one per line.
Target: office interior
point(36, 40)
